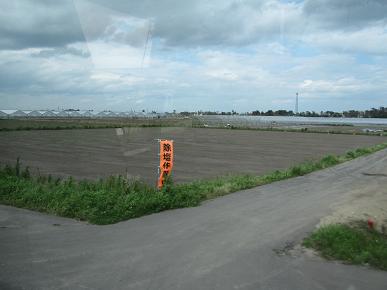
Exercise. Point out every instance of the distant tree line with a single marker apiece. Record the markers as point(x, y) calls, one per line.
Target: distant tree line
point(372, 113)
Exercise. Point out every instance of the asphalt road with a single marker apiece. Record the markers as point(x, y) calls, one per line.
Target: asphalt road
point(199, 153)
point(226, 243)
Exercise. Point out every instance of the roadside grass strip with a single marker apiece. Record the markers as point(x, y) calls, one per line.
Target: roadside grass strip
point(115, 199)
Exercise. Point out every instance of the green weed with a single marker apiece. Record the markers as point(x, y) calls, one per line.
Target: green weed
point(353, 245)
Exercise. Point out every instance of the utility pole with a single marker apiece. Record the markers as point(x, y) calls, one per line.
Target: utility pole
point(297, 103)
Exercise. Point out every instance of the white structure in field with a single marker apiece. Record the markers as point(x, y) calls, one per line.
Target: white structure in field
point(3, 115)
point(9, 114)
point(34, 114)
point(49, 114)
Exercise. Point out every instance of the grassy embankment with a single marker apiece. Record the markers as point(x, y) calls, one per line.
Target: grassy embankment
point(115, 199)
point(355, 245)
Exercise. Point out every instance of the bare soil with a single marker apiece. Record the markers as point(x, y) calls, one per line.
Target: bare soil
point(199, 153)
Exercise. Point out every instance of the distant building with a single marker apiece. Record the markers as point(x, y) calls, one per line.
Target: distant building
point(87, 114)
point(3, 115)
point(75, 114)
point(49, 114)
point(34, 114)
point(72, 113)
point(63, 114)
point(18, 113)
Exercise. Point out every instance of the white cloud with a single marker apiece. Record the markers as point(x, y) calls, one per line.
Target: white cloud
point(223, 74)
point(343, 88)
point(119, 79)
point(217, 55)
point(340, 86)
point(371, 40)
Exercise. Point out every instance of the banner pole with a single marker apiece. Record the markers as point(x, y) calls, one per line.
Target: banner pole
point(158, 161)
point(166, 159)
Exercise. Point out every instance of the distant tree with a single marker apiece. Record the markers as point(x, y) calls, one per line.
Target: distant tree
point(281, 113)
point(186, 114)
point(210, 113)
point(372, 113)
point(351, 114)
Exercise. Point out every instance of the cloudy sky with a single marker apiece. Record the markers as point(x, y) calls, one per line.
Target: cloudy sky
point(190, 55)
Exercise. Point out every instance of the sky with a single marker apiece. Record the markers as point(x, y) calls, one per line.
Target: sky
point(218, 55)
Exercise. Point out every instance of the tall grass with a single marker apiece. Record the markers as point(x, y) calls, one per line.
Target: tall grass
point(116, 198)
point(101, 202)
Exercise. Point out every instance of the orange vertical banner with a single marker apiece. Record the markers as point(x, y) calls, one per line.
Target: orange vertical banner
point(166, 161)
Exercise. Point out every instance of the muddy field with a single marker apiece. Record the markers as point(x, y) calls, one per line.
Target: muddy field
point(199, 153)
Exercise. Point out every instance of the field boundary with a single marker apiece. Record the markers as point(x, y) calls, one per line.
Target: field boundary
point(116, 199)
point(289, 130)
point(85, 123)
point(7, 125)
point(293, 130)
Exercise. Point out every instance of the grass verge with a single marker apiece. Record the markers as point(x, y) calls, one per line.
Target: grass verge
point(355, 245)
point(115, 199)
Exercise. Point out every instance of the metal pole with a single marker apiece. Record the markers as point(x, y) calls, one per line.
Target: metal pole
point(158, 161)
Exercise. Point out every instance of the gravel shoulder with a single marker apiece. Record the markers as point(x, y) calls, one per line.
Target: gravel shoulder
point(362, 206)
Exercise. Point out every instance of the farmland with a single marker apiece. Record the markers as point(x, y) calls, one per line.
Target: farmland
point(200, 153)
point(88, 123)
